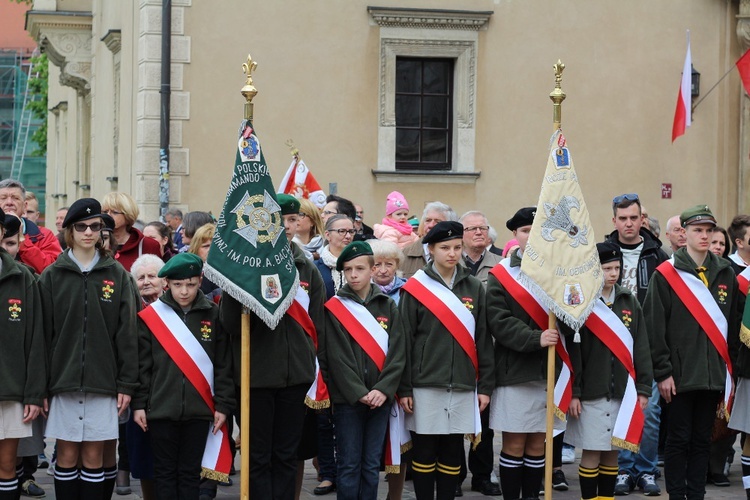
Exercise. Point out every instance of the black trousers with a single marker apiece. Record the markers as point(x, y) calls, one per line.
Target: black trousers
point(178, 450)
point(480, 460)
point(691, 418)
point(276, 417)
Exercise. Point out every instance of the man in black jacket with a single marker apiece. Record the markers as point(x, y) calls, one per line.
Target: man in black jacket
point(642, 253)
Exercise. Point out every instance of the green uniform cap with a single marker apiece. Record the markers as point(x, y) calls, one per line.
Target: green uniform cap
point(352, 251)
point(289, 204)
point(699, 214)
point(182, 266)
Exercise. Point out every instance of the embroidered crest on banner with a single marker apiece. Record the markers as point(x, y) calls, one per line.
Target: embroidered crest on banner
point(558, 218)
point(258, 218)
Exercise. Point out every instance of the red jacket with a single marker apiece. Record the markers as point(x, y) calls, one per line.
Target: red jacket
point(132, 249)
point(39, 248)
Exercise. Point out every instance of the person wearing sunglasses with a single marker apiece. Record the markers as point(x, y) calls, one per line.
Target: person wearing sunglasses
point(641, 254)
point(89, 323)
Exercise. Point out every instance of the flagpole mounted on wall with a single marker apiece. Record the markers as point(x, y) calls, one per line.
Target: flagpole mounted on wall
point(557, 96)
point(248, 92)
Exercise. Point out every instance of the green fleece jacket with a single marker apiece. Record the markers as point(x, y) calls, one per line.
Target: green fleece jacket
point(679, 347)
point(90, 327)
point(433, 356)
point(164, 391)
point(519, 357)
point(350, 373)
point(23, 363)
point(284, 356)
point(597, 372)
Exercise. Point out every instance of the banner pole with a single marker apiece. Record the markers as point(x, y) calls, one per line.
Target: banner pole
point(248, 91)
point(557, 96)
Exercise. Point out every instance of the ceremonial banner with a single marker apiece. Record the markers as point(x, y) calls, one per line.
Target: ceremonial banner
point(560, 265)
point(300, 183)
point(250, 257)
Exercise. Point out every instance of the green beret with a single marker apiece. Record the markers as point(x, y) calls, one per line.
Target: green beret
point(699, 214)
point(182, 266)
point(352, 251)
point(288, 203)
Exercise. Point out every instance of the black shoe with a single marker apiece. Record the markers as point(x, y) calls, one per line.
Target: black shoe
point(226, 483)
point(559, 482)
point(29, 488)
point(719, 480)
point(459, 490)
point(324, 490)
point(487, 488)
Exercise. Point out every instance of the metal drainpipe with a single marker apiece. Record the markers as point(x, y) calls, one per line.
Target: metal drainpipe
point(165, 91)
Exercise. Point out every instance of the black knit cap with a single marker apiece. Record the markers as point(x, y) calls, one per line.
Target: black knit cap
point(83, 209)
point(524, 217)
point(444, 231)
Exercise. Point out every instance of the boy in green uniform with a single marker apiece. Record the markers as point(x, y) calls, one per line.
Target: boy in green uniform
point(170, 400)
point(365, 355)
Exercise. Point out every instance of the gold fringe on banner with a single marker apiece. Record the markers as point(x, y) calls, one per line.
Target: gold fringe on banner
point(406, 447)
point(215, 475)
point(474, 439)
point(392, 469)
point(745, 335)
point(317, 405)
point(625, 445)
point(559, 414)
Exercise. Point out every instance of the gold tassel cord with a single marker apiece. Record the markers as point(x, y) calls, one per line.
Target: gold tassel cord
point(317, 405)
point(215, 475)
point(745, 335)
point(621, 443)
point(392, 469)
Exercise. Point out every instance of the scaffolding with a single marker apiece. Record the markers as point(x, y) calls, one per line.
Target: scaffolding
point(17, 123)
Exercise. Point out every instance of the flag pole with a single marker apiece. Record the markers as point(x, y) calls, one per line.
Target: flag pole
point(248, 92)
point(557, 96)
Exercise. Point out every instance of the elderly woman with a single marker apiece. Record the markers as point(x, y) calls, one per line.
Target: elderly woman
point(129, 243)
point(388, 257)
point(145, 272)
point(309, 235)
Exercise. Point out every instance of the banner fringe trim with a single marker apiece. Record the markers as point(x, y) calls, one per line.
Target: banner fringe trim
point(625, 445)
point(215, 475)
point(246, 299)
point(317, 405)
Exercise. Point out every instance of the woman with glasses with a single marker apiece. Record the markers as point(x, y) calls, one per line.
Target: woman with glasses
point(89, 323)
point(309, 235)
point(129, 243)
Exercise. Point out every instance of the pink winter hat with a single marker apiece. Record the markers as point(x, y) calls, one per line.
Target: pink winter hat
point(395, 202)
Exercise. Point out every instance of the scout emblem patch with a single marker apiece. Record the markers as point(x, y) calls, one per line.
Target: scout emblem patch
point(14, 309)
point(107, 289)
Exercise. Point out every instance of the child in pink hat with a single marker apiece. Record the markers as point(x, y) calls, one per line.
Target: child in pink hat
point(395, 227)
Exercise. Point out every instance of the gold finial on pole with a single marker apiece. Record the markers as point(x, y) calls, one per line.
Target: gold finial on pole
point(557, 95)
point(249, 91)
point(293, 150)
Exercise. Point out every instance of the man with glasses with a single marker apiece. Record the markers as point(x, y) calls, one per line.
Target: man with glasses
point(641, 253)
point(39, 247)
point(479, 261)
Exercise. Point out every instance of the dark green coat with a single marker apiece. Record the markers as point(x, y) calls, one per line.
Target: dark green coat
point(679, 347)
point(23, 363)
point(350, 373)
point(90, 327)
point(164, 391)
point(519, 357)
point(597, 372)
point(284, 356)
point(434, 358)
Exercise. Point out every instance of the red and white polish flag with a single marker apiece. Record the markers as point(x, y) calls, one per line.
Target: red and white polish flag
point(682, 116)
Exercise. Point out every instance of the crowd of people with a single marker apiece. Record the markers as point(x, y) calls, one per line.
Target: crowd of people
point(404, 340)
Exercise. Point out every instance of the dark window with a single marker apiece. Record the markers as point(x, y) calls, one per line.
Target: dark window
point(424, 96)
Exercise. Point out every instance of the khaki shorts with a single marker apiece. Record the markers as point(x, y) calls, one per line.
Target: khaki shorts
point(11, 421)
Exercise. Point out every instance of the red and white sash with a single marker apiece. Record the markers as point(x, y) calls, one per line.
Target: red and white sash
point(608, 328)
point(317, 396)
point(452, 314)
point(539, 313)
point(373, 339)
point(744, 280)
point(698, 300)
point(190, 357)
